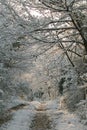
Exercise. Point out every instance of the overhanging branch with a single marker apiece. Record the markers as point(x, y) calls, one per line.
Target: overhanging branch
point(53, 29)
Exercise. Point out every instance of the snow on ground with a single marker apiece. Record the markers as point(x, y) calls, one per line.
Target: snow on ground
point(21, 120)
point(60, 119)
point(66, 121)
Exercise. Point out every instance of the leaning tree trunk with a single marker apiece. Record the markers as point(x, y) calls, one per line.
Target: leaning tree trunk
point(80, 22)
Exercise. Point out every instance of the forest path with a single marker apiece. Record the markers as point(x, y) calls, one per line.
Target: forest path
point(42, 116)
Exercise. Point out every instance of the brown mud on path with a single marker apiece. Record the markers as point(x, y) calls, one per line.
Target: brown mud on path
point(41, 122)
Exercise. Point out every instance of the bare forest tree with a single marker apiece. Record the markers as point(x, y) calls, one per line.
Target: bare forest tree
point(63, 23)
point(67, 26)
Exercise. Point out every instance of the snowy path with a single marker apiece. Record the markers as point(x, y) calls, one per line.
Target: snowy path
point(39, 116)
